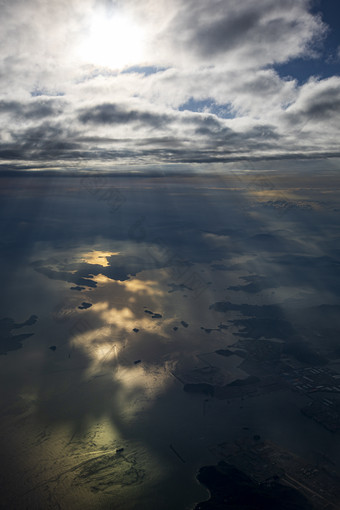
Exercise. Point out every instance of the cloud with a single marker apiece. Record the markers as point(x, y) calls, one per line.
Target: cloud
point(217, 57)
point(114, 114)
point(35, 110)
point(244, 34)
point(319, 100)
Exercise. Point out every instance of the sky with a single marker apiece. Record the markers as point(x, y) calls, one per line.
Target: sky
point(177, 84)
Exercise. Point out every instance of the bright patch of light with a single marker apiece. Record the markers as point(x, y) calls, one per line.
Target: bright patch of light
point(148, 287)
point(114, 42)
point(98, 257)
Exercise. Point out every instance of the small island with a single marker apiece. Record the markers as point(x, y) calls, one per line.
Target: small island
point(84, 306)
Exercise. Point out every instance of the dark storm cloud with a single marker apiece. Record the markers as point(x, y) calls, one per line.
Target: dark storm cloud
point(322, 105)
point(50, 139)
point(33, 111)
point(109, 113)
point(222, 34)
point(216, 142)
point(42, 132)
point(41, 142)
point(183, 137)
point(324, 108)
point(255, 30)
point(210, 126)
point(165, 141)
point(218, 135)
point(47, 152)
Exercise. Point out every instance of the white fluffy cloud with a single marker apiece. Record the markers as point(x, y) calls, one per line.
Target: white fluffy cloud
point(203, 87)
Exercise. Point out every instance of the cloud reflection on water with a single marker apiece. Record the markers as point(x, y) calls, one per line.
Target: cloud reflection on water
point(106, 376)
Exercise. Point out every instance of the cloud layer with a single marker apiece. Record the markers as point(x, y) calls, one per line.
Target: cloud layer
point(203, 87)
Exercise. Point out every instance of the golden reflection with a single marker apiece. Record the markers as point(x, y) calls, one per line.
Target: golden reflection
point(270, 194)
point(126, 320)
point(88, 338)
point(98, 257)
point(103, 344)
point(101, 278)
point(148, 287)
point(100, 346)
point(140, 385)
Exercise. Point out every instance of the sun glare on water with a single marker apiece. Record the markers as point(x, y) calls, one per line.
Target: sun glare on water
point(112, 41)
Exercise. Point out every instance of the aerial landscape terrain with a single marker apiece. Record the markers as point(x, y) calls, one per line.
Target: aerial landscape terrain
point(170, 255)
point(143, 346)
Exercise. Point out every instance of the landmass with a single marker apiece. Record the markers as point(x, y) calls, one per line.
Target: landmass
point(10, 342)
point(261, 475)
